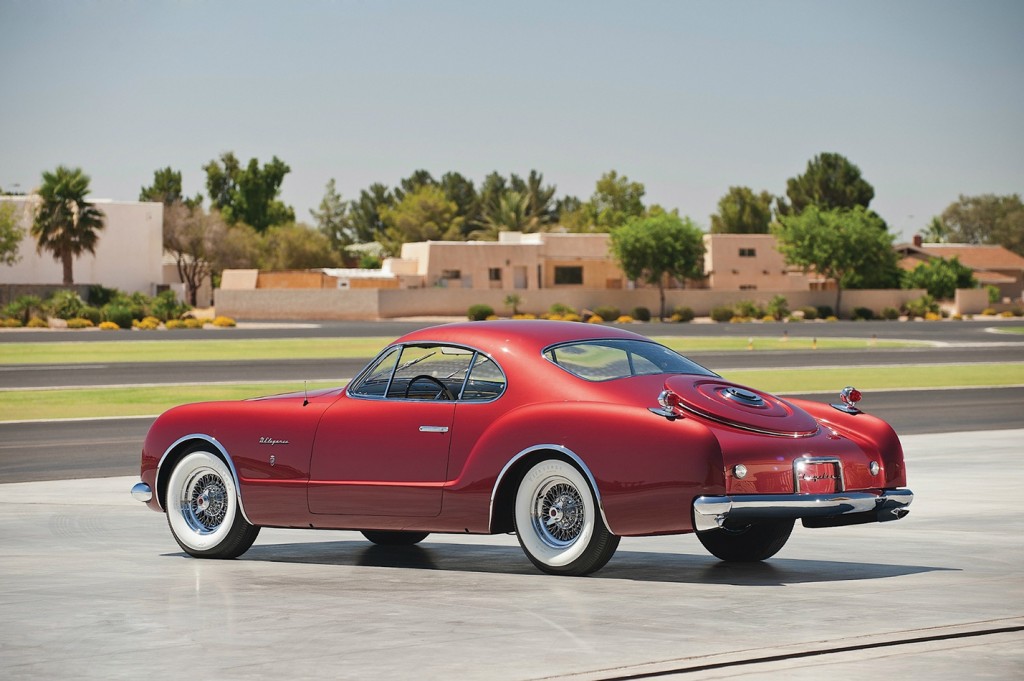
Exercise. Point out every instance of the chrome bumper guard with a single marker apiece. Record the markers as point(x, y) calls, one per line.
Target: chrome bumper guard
point(142, 492)
point(815, 510)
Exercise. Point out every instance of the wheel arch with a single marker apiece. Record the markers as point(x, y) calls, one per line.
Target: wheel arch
point(177, 451)
point(503, 494)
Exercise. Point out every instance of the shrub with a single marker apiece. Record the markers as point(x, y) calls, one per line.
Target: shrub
point(739, 320)
point(146, 324)
point(810, 313)
point(778, 307)
point(560, 310)
point(748, 308)
point(607, 312)
point(624, 319)
point(988, 311)
point(64, 305)
point(93, 314)
point(994, 294)
point(24, 308)
point(167, 306)
point(118, 314)
point(571, 317)
point(890, 313)
point(794, 318)
point(524, 315)
point(193, 323)
point(1018, 312)
point(922, 306)
point(768, 318)
point(11, 323)
point(595, 319)
point(641, 314)
point(99, 296)
point(932, 316)
point(175, 324)
point(109, 326)
point(722, 314)
point(225, 322)
point(825, 311)
point(863, 313)
point(80, 323)
point(831, 318)
point(685, 314)
point(479, 312)
point(1004, 313)
point(37, 323)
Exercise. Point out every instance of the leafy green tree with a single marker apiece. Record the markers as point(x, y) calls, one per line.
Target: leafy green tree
point(741, 211)
point(297, 247)
point(831, 181)
point(511, 214)
point(616, 200)
point(166, 189)
point(940, 277)
point(987, 219)
point(541, 205)
point(66, 224)
point(423, 215)
point(193, 237)
point(843, 245)
point(656, 247)
point(936, 233)
point(461, 191)
point(248, 194)
point(365, 213)
point(332, 219)
point(11, 234)
point(419, 178)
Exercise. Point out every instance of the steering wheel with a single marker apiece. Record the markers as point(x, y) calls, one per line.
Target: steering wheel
point(443, 392)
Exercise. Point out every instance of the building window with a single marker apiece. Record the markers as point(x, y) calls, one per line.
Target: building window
point(748, 287)
point(451, 274)
point(748, 252)
point(494, 273)
point(569, 275)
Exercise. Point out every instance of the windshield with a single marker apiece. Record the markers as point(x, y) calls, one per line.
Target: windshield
point(605, 360)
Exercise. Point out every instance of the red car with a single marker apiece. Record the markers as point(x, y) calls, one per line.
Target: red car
point(572, 435)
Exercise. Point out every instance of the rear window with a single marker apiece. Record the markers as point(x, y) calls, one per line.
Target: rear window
point(605, 360)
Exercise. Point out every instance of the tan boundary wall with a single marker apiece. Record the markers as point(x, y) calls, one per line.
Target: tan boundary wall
point(323, 304)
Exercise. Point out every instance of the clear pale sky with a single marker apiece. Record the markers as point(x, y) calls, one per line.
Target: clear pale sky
point(689, 98)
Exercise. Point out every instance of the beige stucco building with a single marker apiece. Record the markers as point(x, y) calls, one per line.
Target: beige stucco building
point(516, 261)
point(129, 253)
point(750, 262)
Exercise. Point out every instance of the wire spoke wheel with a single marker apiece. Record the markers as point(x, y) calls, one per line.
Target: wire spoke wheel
point(203, 510)
point(558, 520)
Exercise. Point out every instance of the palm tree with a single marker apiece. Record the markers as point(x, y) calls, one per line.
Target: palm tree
point(66, 224)
point(510, 214)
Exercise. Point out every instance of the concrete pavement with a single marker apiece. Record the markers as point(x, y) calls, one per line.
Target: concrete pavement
point(95, 587)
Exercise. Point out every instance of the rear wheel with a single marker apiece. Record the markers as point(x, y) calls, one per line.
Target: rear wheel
point(203, 511)
point(394, 538)
point(558, 522)
point(757, 541)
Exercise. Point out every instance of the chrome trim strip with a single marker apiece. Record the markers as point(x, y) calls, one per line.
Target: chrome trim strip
point(223, 452)
point(740, 426)
point(562, 450)
point(710, 513)
point(142, 492)
point(433, 429)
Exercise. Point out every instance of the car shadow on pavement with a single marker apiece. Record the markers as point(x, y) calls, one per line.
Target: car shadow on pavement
point(639, 566)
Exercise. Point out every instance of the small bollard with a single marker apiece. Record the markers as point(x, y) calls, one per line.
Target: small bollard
point(785, 336)
point(874, 339)
point(814, 344)
point(750, 343)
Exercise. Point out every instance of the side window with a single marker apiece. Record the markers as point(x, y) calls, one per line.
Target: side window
point(430, 372)
point(486, 382)
point(375, 382)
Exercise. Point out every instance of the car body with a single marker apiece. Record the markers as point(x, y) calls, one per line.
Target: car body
point(571, 435)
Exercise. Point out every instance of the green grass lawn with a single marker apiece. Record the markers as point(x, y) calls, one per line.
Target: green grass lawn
point(108, 352)
point(104, 402)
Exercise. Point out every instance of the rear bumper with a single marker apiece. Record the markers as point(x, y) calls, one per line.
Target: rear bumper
point(816, 510)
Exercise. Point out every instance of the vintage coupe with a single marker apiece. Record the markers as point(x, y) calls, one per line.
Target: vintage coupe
point(572, 435)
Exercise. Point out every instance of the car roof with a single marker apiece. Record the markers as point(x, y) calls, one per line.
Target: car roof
point(517, 336)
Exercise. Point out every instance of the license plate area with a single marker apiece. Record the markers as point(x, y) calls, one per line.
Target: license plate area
point(817, 475)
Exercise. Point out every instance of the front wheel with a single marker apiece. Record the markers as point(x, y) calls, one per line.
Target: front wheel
point(394, 537)
point(558, 522)
point(757, 541)
point(203, 510)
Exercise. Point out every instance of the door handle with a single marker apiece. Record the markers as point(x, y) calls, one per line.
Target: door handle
point(433, 429)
